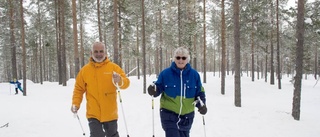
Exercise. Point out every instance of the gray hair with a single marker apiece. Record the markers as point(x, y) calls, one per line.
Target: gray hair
point(98, 43)
point(183, 51)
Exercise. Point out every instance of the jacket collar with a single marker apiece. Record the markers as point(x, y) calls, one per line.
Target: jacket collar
point(177, 70)
point(98, 64)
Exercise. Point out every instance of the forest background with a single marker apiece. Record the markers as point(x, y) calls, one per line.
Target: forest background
point(50, 40)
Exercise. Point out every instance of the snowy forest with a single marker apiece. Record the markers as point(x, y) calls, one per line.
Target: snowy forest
point(50, 40)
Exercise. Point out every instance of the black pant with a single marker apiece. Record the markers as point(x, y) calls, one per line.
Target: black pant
point(175, 126)
point(103, 129)
point(19, 89)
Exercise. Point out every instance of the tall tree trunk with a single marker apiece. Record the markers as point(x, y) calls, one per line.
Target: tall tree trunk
point(160, 39)
point(138, 52)
point(204, 43)
point(40, 44)
point(59, 41)
point(104, 31)
point(261, 68)
point(278, 49)
point(214, 61)
point(316, 65)
point(81, 38)
point(63, 45)
point(179, 23)
point(223, 54)
point(227, 60)
point(195, 51)
point(143, 48)
point(271, 49)
point(99, 21)
point(194, 61)
point(257, 69)
point(119, 32)
point(266, 65)
point(40, 60)
point(299, 61)
point(23, 51)
point(115, 33)
point(75, 38)
point(237, 55)
point(252, 44)
point(45, 61)
point(12, 42)
point(156, 55)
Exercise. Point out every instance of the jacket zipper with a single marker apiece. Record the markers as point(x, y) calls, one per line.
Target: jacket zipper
point(181, 96)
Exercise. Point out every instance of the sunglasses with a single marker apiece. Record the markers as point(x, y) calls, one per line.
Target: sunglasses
point(183, 58)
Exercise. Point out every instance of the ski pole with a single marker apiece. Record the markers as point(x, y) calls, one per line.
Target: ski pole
point(153, 111)
point(204, 126)
point(131, 71)
point(120, 99)
point(152, 116)
point(5, 125)
point(203, 121)
point(83, 133)
point(124, 118)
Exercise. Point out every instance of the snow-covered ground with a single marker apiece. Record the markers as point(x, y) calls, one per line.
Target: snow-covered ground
point(265, 111)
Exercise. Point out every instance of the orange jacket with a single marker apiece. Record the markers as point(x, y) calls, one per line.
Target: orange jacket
point(95, 79)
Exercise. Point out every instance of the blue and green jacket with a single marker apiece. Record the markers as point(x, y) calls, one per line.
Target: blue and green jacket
point(179, 89)
point(16, 83)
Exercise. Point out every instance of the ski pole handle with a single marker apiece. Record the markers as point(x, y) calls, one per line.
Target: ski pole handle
point(74, 110)
point(154, 84)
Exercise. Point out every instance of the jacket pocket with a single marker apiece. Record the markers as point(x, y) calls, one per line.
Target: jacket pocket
point(191, 90)
point(186, 121)
point(171, 90)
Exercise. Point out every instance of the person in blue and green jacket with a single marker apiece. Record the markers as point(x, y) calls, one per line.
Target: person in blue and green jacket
point(17, 85)
point(181, 90)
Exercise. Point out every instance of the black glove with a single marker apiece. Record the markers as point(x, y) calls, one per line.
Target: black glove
point(151, 90)
point(203, 110)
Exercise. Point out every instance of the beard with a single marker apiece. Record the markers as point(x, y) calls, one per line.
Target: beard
point(99, 58)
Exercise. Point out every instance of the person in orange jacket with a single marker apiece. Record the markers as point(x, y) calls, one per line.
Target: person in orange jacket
point(98, 80)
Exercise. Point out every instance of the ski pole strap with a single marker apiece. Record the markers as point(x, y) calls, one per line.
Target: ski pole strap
point(195, 102)
point(201, 103)
point(116, 84)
